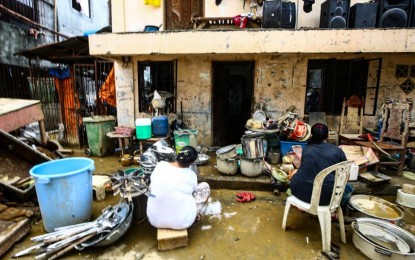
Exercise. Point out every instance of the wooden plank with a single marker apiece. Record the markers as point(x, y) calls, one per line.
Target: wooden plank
point(16, 113)
point(13, 233)
point(21, 149)
point(8, 105)
point(170, 239)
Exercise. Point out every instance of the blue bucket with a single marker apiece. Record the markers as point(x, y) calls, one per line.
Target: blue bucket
point(346, 195)
point(64, 191)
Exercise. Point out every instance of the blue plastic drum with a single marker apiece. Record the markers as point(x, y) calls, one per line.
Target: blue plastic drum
point(64, 191)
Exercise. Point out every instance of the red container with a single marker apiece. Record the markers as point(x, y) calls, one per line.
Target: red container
point(124, 130)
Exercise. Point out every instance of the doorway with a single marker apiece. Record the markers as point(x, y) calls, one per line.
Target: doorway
point(231, 100)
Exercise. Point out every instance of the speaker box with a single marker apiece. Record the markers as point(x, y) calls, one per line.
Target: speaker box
point(363, 15)
point(334, 14)
point(395, 13)
point(278, 14)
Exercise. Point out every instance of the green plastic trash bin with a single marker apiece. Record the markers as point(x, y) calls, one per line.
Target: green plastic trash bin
point(97, 128)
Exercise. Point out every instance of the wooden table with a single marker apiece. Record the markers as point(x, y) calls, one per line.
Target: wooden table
point(17, 113)
point(122, 138)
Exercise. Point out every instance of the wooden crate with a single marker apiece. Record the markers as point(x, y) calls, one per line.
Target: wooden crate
point(170, 239)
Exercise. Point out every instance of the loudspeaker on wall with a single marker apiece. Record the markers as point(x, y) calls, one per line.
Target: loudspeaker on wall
point(334, 14)
point(395, 13)
point(278, 14)
point(363, 15)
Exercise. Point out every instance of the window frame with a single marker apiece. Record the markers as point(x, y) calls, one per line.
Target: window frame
point(347, 77)
point(156, 74)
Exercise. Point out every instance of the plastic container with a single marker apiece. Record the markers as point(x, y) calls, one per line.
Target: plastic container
point(64, 191)
point(160, 126)
point(97, 128)
point(188, 136)
point(151, 28)
point(354, 172)
point(179, 146)
point(143, 128)
point(286, 146)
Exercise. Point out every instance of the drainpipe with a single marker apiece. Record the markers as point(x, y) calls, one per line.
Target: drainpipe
point(125, 26)
point(56, 21)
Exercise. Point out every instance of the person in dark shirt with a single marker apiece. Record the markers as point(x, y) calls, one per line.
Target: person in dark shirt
point(316, 156)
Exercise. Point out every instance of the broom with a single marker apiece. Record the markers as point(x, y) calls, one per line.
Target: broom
point(368, 136)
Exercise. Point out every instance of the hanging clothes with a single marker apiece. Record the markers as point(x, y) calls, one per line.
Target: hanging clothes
point(60, 73)
point(69, 105)
point(107, 91)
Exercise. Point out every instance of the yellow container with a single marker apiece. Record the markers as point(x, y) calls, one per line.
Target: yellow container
point(179, 146)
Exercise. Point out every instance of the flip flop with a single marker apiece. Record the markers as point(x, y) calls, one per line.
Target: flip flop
point(330, 255)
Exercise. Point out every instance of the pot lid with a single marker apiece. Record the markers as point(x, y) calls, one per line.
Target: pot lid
point(376, 207)
point(201, 159)
point(252, 134)
point(225, 149)
point(259, 115)
point(383, 237)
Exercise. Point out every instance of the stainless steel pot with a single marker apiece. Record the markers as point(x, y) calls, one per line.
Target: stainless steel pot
point(227, 166)
point(376, 251)
point(251, 167)
point(253, 148)
point(374, 207)
point(273, 157)
point(226, 152)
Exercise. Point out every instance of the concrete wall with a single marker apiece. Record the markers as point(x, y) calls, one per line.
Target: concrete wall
point(15, 38)
point(280, 81)
point(132, 16)
point(124, 80)
point(73, 23)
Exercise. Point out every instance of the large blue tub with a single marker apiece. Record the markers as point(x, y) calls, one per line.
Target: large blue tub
point(64, 191)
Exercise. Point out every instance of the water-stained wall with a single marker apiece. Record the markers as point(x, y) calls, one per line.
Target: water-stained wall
point(279, 82)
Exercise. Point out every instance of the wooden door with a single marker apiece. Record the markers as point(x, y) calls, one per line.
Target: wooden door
point(231, 100)
point(179, 13)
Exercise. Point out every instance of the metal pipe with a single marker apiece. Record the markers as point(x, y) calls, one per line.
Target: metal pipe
point(30, 21)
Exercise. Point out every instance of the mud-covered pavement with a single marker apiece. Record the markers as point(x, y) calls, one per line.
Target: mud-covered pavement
point(230, 230)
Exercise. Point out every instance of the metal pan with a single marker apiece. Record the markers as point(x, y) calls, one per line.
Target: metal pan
point(374, 207)
point(376, 251)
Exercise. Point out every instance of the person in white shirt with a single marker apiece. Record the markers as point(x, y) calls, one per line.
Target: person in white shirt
point(178, 199)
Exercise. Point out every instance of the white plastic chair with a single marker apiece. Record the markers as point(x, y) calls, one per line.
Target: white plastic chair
point(342, 172)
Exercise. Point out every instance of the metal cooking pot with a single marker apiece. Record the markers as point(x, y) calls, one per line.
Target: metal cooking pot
point(251, 167)
point(377, 251)
point(226, 152)
point(126, 160)
point(227, 166)
point(374, 207)
point(253, 148)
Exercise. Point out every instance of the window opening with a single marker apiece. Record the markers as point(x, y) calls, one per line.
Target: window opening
point(160, 76)
point(330, 81)
point(81, 6)
point(26, 8)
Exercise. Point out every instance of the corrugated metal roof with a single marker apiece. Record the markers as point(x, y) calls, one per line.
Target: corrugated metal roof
point(70, 51)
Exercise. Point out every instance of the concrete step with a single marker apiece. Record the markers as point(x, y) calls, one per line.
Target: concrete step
point(211, 175)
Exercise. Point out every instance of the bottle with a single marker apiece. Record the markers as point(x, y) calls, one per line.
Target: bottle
point(354, 172)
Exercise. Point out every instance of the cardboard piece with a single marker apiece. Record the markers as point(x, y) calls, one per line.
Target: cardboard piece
point(361, 155)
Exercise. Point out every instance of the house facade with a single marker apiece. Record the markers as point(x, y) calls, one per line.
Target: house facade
point(220, 74)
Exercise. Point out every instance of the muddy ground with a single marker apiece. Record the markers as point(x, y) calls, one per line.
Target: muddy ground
point(230, 230)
